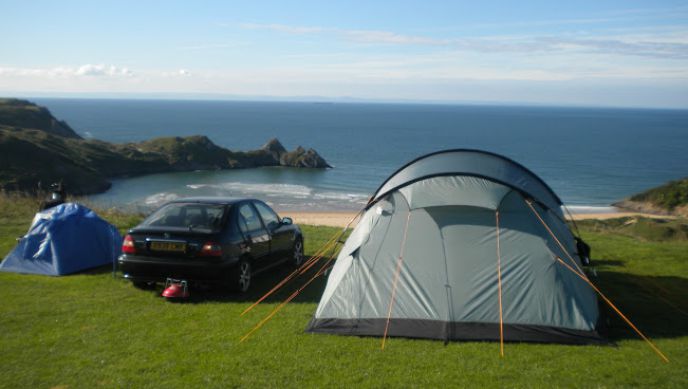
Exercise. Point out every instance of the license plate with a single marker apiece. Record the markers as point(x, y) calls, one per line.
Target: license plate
point(168, 246)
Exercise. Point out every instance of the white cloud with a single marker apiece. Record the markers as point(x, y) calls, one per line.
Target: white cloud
point(87, 70)
point(102, 70)
point(440, 77)
point(618, 46)
point(654, 46)
point(660, 44)
point(180, 73)
point(655, 58)
point(366, 36)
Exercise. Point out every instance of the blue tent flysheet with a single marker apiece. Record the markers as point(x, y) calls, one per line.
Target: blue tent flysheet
point(62, 240)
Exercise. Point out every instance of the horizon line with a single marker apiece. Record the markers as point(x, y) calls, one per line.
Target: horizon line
point(312, 99)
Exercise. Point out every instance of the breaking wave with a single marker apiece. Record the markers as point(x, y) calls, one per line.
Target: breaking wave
point(283, 196)
point(159, 198)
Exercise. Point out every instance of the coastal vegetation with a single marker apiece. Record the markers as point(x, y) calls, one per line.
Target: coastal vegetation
point(96, 330)
point(24, 114)
point(93, 330)
point(640, 228)
point(36, 148)
point(670, 198)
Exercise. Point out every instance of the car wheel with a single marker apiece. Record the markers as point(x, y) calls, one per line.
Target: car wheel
point(143, 284)
point(242, 277)
point(297, 256)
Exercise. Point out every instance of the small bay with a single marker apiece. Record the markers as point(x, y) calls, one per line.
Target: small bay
point(590, 156)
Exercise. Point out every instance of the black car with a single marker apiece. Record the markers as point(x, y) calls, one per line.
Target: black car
point(209, 241)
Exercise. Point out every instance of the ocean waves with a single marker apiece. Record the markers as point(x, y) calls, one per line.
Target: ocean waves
point(280, 195)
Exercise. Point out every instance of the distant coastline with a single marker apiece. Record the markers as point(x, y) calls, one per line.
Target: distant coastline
point(36, 148)
point(590, 157)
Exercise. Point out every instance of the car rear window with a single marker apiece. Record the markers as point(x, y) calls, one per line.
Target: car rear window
point(188, 215)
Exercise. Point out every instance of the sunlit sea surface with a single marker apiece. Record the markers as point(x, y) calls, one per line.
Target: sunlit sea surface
point(591, 157)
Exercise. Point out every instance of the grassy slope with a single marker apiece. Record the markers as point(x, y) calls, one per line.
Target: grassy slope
point(22, 113)
point(92, 330)
point(640, 228)
point(36, 147)
point(29, 156)
point(668, 196)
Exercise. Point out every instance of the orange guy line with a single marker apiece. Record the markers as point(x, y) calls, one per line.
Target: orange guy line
point(396, 279)
point(649, 342)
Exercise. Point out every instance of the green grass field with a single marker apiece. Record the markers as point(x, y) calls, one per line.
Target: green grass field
point(93, 330)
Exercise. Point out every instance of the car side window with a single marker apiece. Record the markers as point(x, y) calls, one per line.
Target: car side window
point(248, 219)
point(269, 216)
point(242, 224)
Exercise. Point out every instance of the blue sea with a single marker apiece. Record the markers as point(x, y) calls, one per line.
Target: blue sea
point(591, 157)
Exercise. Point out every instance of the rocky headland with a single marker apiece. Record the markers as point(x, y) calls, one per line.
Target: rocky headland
point(668, 199)
point(35, 147)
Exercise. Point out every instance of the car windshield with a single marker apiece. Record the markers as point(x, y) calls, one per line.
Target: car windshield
point(193, 216)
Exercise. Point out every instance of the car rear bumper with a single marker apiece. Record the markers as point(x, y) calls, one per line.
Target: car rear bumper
point(139, 268)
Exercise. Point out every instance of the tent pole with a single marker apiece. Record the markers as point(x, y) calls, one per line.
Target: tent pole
point(499, 288)
point(396, 279)
point(447, 287)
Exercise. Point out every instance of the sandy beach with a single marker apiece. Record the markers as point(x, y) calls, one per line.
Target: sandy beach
point(341, 218)
point(333, 219)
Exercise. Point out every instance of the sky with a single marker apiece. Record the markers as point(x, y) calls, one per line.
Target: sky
point(590, 53)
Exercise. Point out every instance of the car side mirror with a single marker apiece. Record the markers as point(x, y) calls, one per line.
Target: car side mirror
point(287, 221)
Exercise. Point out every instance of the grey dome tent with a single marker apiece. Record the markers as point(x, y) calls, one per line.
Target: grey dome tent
point(461, 245)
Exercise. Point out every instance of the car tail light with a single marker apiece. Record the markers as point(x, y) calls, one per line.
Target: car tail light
point(128, 245)
point(211, 249)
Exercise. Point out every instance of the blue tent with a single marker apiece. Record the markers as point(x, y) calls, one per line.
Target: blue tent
point(64, 239)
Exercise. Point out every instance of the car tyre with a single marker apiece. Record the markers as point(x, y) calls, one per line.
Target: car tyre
point(297, 253)
point(242, 276)
point(145, 285)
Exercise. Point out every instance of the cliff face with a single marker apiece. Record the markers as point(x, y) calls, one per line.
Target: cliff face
point(38, 148)
point(24, 114)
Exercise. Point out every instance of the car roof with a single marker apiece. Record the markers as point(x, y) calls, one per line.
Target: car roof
point(211, 200)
